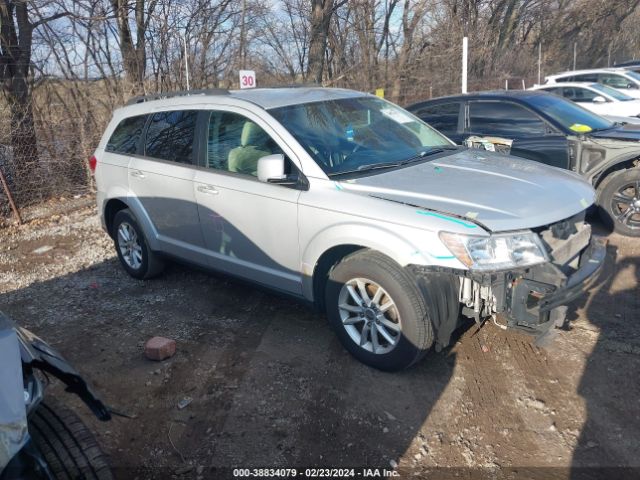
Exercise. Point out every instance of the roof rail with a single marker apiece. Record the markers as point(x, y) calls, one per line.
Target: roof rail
point(180, 93)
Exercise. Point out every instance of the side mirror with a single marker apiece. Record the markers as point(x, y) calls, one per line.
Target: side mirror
point(271, 167)
point(599, 99)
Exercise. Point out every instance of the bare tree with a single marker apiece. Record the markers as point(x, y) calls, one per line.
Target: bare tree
point(18, 20)
point(321, 13)
point(134, 54)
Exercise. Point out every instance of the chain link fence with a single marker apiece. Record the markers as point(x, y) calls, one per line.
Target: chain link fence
point(46, 165)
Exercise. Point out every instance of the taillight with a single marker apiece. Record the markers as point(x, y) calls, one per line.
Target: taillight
point(93, 161)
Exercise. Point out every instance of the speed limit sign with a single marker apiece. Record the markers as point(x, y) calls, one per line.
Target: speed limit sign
point(247, 79)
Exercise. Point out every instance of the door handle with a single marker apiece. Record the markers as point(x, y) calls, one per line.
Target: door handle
point(207, 190)
point(137, 174)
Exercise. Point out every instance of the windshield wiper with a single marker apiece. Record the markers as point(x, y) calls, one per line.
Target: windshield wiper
point(412, 159)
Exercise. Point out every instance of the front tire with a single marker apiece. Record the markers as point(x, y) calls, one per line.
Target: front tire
point(133, 249)
point(67, 445)
point(619, 201)
point(379, 312)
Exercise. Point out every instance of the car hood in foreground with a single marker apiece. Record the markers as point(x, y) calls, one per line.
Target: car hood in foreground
point(499, 192)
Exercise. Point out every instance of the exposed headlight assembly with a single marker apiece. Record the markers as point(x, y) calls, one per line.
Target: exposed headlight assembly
point(496, 252)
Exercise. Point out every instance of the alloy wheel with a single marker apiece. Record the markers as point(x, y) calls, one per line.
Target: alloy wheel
point(369, 315)
point(129, 245)
point(625, 205)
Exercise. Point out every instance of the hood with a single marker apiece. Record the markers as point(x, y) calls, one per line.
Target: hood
point(629, 132)
point(632, 92)
point(499, 192)
point(630, 108)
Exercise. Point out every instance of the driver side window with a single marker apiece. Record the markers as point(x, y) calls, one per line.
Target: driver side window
point(235, 143)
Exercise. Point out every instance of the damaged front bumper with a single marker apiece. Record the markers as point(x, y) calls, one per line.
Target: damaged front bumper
point(536, 301)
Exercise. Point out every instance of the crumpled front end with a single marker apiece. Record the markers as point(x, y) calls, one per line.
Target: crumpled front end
point(535, 299)
point(14, 434)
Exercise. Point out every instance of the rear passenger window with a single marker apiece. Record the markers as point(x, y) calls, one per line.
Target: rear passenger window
point(504, 119)
point(586, 77)
point(442, 117)
point(170, 136)
point(235, 143)
point(126, 135)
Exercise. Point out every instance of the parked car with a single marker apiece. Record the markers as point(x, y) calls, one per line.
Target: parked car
point(40, 437)
point(626, 81)
point(551, 130)
point(596, 97)
point(347, 201)
point(633, 65)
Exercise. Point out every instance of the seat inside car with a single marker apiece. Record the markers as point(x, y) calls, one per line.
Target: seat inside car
point(254, 144)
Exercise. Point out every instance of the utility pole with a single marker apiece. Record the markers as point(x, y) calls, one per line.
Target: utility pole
point(186, 60)
point(539, 63)
point(243, 55)
point(465, 48)
point(465, 52)
point(575, 54)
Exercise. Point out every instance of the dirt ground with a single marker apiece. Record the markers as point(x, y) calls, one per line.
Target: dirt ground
point(270, 385)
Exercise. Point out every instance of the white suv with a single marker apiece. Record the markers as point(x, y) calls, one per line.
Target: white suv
point(626, 81)
point(349, 202)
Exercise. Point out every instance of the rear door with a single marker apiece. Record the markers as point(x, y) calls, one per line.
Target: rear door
point(532, 137)
point(250, 227)
point(113, 166)
point(162, 180)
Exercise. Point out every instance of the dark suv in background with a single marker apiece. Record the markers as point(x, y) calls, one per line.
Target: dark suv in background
point(549, 129)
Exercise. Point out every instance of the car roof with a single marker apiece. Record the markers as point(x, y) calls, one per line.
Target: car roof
point(548, 86)
point(629, 63)
point(489, 94)
point(266, 98)
point(591, 70)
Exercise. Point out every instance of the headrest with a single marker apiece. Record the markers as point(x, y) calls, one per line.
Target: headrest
point(252, 134)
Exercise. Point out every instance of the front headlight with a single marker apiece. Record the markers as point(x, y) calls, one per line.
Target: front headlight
point(496, 252)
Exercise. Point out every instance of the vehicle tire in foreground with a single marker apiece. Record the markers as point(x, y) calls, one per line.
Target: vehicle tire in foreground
point(133, 250)
point(67, 445)
point(619, 201)
point(380, 313)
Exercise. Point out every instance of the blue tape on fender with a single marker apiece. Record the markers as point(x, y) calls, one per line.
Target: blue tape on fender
point(444, 217)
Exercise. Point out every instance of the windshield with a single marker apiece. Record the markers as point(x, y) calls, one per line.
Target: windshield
point(634, 75)
point(359, 134)
point(568, 114)
point(612, 92)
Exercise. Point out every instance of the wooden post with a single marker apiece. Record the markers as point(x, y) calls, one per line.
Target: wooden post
point(5, 187)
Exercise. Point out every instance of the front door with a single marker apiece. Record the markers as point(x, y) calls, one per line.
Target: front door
point(250, 228)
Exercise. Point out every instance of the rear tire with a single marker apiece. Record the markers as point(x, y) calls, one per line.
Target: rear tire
point(413, 312)
point(133, 249)
point(619, 202)
point(67, 445)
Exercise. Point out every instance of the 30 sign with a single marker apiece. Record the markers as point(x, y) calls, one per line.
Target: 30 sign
point(247, 79)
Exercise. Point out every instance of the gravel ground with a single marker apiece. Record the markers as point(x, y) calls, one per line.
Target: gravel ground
point(267, 383)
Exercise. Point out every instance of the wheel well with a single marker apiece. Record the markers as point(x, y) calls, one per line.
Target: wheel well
point(113, 206)
point(325, 263)
point(633, 162)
